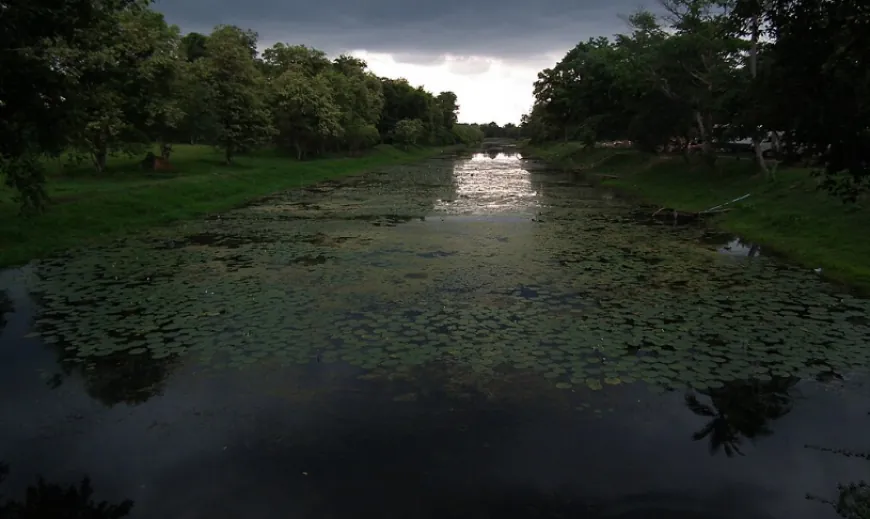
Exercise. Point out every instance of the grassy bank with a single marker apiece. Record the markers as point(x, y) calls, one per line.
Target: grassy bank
point(88, 207)
point(787, 215)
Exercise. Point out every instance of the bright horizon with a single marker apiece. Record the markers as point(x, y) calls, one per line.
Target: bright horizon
point(487, 52)
point(492, 91)
point(487, 89)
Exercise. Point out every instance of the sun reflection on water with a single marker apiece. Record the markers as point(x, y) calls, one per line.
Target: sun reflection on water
point(490, 183)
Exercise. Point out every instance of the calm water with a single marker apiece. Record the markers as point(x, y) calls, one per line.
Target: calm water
point(467, 337)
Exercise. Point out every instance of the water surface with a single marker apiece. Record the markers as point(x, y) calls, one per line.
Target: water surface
point(466, 337)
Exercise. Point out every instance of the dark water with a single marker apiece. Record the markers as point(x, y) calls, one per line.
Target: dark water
point(472, 337)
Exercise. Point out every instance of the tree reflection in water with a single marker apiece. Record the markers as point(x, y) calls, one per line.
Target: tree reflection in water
point(5, 308)
point(741, 409)
point(853, 499)
point(52, 501)
point(118, 378)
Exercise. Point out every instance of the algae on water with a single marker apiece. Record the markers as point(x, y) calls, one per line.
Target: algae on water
point(405, 268)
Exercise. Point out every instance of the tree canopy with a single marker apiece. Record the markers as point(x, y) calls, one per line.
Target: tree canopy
point(94, 78)
point(717, 69)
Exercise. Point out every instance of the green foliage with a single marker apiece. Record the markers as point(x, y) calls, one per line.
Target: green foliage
point(300, 58)
point(649, 86)
point(361, 136)
point(405, 102)
point(24, 174)
point(494, 131)
point(468, 134)
point(816, 67)
point(97, 78)
point(88, 207)
point(50, 46)
point(788, 215)
point(235, 92)
point(737, 334)
point(124, 98)
point(714, 70)
point(305, 112)
point(193, 46)
point(408, 132)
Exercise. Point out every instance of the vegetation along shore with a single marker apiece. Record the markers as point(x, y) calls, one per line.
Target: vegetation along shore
point(711, 101)
point(117, 122)
point(788, 215)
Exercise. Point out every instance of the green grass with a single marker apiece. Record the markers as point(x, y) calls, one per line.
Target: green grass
point(88, 208)
point(788, 216)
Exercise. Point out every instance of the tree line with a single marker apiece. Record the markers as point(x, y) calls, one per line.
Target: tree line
point(94, 78)
point(714, 70)
point(494, 131)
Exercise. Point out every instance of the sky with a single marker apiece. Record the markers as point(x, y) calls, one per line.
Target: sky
point(486, 51)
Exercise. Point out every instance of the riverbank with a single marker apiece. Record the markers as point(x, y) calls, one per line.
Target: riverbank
point(788, 215)
point(88, 207)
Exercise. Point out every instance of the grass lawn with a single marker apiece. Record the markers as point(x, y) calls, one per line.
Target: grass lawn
point(88, 207)
point(787, 215)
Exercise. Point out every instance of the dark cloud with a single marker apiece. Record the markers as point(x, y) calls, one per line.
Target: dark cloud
point(510, 29)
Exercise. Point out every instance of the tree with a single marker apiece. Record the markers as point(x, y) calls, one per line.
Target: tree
point(694, 64)
point(198, 122)
point(359, 98)
point(234, 91)
point(447, 116)
point(408, 132)
point(118, 378)
point(305, 114)
point(814, 68)
point(740, 409)
point(193, 46)
point(160, 73)
point(124, 98)
point(467, 134)
point(45, 42)
point(282, 57)
point(45, 499)
point(403, 101)
point(101, 77)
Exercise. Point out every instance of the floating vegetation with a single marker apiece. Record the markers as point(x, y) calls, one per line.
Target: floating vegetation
point(587, 297)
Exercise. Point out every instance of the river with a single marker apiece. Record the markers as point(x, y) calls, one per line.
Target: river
point(470, 336)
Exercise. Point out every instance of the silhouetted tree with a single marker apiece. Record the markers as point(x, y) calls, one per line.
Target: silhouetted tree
point(52, 501)
point(5, 307)
point(742, 409)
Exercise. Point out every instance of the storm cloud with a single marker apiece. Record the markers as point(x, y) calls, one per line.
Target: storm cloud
point(421, 32)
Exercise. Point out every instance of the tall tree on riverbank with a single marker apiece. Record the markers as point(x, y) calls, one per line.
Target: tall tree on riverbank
point(44, 42)
point(125, 93)
point(817, 56)
point(737, 68)
point(100, 77)
point(235, 91)
point(305, 113)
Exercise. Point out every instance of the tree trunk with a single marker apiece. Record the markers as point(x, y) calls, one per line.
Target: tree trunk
point(99, 157)
point(705, 124)
point(753, 69)
point(228, 155)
